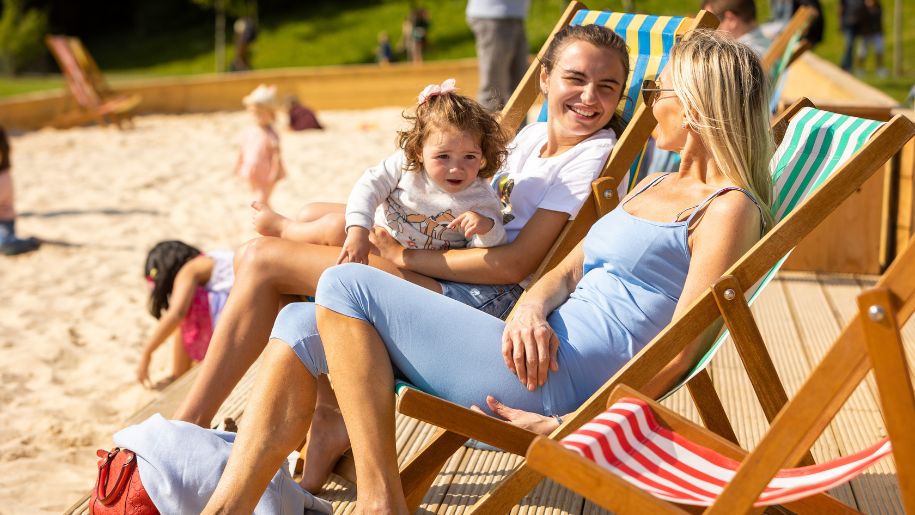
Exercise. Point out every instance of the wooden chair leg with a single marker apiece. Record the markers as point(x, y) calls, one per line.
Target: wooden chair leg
point(735, 311)
point(418, 474)
point(884, 343)
point(709, 406)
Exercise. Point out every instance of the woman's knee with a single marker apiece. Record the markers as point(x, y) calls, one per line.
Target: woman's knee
point(255, 257)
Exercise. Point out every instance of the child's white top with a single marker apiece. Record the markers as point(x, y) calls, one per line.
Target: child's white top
point(416, 211)
point(528, 182)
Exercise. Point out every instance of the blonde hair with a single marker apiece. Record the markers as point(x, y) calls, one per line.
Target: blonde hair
point(725, 96)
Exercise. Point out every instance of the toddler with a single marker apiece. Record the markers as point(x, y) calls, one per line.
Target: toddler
point(430, 194)
point(187, 290)
point(259, 159)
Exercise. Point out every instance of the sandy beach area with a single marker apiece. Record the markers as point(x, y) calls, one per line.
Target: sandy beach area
point(74, 313)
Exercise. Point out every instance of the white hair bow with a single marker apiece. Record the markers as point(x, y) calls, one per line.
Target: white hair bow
point(435, 89)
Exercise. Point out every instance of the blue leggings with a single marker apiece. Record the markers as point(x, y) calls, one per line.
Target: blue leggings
point(440, 345)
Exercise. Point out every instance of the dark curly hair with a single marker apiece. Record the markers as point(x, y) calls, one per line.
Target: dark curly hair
point(454, 111)
point(162, 265)
point(601, 37)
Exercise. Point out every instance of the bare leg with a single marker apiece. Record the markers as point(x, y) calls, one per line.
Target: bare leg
point(327, 439)
point(268, 270)
point(268, 222)
point(181, 362)
point(280, 411)
point(354, 352)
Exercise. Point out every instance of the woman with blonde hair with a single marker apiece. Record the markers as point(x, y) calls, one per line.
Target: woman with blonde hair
point(639, 267)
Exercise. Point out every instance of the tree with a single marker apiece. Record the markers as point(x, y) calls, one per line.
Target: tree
point(21, 34)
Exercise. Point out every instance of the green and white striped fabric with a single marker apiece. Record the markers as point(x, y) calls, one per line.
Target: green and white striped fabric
point(816, 144)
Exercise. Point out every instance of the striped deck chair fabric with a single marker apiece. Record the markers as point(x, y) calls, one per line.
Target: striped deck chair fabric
point(815, 145)
point(628, 441)
point(777, 74)
point(649, 39)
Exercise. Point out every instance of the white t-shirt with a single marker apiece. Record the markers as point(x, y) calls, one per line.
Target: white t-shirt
point(528, 182)
point(416, 211)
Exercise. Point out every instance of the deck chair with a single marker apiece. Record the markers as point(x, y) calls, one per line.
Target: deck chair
point(94, 97)
point(785, 49)
point(638, 457)
point(822, 159)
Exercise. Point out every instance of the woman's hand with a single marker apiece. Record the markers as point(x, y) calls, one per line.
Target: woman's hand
point(533, 422)
point(472, 223)
point(355, 246)
point(388, 247)
point(529, 346)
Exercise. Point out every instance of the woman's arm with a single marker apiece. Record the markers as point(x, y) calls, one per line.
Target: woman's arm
point(727, 230)
point(506, 264)
point(529, 345)
point(195, 272)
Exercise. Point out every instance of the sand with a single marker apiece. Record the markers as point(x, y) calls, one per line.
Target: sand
point(74, 313)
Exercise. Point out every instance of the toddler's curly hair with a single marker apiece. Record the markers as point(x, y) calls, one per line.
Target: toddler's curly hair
point(454, 111)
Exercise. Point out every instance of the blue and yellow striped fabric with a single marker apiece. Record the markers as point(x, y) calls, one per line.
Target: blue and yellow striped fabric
point(816, 144)
point(649, 39)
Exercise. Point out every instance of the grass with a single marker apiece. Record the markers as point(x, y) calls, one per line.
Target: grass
point(317, 33)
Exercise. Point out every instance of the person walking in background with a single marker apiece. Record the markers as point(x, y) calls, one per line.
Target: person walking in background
point(498, 28)
point(419, 31)
point(384, 54)
point(850, 13)
point(245, 33)
point(871, 31)
point(10, 244)
point(259, 161)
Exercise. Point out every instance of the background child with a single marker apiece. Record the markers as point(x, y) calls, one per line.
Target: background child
point(187, 289)
point(259, 160)
point(10, 245)
point(430, 194)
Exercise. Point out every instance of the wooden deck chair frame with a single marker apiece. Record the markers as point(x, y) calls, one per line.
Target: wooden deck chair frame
point(724, 299)
point(782, 47)
point(95, 99)
point(870, 341)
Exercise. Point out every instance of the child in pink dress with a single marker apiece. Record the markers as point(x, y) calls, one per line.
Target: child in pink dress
point(259, 160)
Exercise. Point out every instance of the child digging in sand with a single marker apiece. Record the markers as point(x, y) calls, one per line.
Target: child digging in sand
point(259, 161)
point(430, 194)
point(187, 289)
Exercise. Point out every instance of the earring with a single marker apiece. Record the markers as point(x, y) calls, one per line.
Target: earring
point(684, 124)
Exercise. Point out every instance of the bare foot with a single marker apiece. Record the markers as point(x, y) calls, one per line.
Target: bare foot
point(268, 222)
point(327, 441)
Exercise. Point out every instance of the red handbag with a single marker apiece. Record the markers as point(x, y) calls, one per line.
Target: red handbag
point(125, 495)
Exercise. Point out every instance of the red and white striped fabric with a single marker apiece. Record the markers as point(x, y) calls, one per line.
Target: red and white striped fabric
point(628, 441)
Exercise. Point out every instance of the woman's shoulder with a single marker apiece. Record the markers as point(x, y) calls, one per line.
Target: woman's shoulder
point(733, 207)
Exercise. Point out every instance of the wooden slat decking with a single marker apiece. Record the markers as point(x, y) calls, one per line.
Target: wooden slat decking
point(799, 315)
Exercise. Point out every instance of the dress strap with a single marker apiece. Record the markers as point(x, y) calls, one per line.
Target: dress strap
point(650, 184)
point(700, 206)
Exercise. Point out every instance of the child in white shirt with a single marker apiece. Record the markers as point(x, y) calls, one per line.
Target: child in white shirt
point(430, 194)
